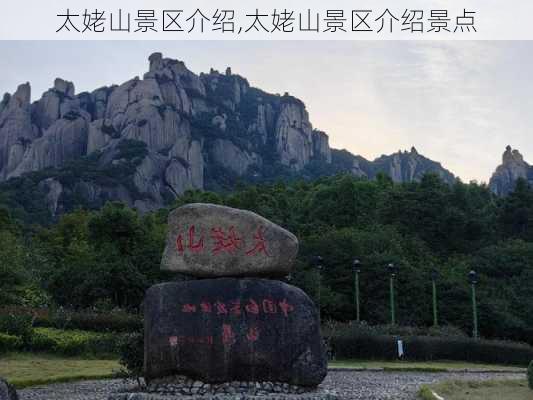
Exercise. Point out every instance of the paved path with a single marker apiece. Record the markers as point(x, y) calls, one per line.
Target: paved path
point(350, 385)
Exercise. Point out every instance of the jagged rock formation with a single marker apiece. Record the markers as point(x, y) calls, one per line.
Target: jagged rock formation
point(512, 168)
point(149, 140)
point(403, 166)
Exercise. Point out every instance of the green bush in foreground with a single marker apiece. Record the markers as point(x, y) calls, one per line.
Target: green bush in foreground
point(12, 317)
point(74, 342)
point(132, 355)
point(530, 375)
point(17, 325)
point(9, 343)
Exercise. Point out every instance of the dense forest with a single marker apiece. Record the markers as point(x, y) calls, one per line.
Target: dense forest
point(106, 259)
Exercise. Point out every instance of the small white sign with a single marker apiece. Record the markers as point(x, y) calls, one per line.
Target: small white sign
point(400, 349)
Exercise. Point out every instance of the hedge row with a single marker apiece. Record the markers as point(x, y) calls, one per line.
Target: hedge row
point(74, 342)
point(426, 348)
point(9, 343)
point(92, 321)
point(83, 320)
point(17, 333)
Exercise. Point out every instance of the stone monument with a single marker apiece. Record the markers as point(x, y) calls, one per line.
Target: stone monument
point(232, 322)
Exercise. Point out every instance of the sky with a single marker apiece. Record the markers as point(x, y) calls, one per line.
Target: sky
point(459, 103)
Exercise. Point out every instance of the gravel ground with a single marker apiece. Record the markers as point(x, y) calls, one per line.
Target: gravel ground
point(348, 385)
point(395, 385)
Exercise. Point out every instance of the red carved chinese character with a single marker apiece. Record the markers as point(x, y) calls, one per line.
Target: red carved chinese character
point(206, 307)
point(269, 307)
point(193, 246)
point(228, 337)
point(198, 246)
point(252, 307)
point(228, 243)
point(235, 307)
point(188, 308)
point(253, 334)
point(260, 244)
point(173, 341)
point(221, 308)
point(179, 244)
point(286, 308)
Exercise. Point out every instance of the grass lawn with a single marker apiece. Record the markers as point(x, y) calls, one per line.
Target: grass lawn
point(26, 369)
point(430, 366)
point(481, 390)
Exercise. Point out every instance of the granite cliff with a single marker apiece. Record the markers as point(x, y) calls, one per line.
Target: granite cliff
point(148, 140)
point(403, 166)
point(509, 171)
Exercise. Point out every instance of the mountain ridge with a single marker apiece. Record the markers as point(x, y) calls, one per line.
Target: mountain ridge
point(146, 141)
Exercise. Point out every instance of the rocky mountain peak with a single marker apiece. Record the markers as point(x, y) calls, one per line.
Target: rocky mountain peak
point(64, 87)
point(407, 166)
point(512, 168)
point(155, 60)
point(150, 139)
point(511, 156)
point(21, 97)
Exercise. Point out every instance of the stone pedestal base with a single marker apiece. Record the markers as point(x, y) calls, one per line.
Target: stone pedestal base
point(226, 330)
point(227, 391)
point(180, 387)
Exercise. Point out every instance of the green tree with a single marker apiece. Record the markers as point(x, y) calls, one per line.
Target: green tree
point(12, 261)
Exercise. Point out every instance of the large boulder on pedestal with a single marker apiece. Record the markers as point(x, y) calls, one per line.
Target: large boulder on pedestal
point(7, 392)
point(207, 240)
point(221, 330)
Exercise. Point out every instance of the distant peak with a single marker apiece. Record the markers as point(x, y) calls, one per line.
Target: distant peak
point(512, 156)
point(23, 94)
point(64, 87)
point(413, 150)
point(155, 56)
point(158, 63)
point(155, 60)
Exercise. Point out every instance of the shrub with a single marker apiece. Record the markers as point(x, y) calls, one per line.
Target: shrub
point(333, 328)
point(132, 355)
point(109, 322)
point(530, 375)
point(115, 321)
point(466, 349)
point(9, 343)
point(74, 342)
point(17, 325)
point(368, 345)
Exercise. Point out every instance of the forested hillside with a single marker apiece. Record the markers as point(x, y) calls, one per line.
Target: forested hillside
point(107, 258)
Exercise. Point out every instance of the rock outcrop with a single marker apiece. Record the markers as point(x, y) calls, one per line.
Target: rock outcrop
point(512, 168)
point(150, 139)
point(403, 166)
point(7, 392)
point(195, 129)
point(408, 166)
point(208, 240)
